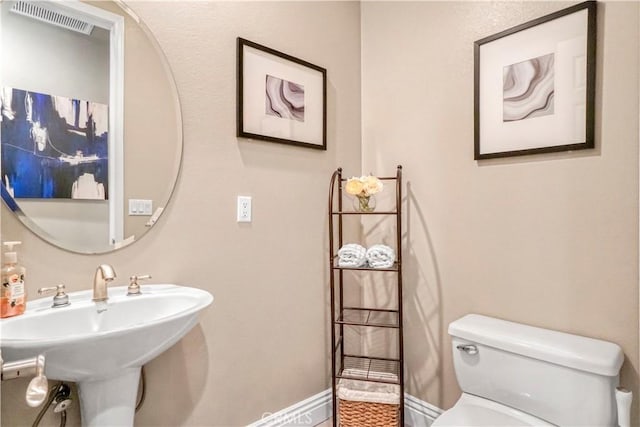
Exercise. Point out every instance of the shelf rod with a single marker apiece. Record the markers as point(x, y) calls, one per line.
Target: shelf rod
point(364, 213)
point(386, 178)
point(365, 268)
point(372, 325)
point(372, 380)
point(386, 310)
point(382, 359)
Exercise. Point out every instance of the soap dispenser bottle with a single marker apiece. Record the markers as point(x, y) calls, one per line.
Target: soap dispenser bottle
point(13, 297)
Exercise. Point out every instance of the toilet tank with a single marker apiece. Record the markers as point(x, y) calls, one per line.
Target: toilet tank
point(564, 379)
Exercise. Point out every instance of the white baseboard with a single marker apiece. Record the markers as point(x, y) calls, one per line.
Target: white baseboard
point(418, 413)
point(307, 413)
point(317, 408)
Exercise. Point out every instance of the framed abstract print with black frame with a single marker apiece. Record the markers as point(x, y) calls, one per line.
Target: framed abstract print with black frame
point(535, 86)
point(280, 98)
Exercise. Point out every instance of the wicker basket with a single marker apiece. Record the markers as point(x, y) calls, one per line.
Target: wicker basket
point(367, 414)
point(367, 404)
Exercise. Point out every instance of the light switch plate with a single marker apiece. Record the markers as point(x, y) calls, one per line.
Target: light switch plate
point(139, 207)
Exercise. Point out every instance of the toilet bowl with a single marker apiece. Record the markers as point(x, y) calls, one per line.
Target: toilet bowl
point(472, 410)
point(518, 375)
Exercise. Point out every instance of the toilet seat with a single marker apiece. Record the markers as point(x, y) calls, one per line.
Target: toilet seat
point(472, 411)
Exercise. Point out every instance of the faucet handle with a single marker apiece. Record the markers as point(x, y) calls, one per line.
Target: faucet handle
point(134, 287)
point(61, 299)
point(50, 289)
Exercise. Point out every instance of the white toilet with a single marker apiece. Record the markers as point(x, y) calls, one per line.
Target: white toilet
point(518, 375)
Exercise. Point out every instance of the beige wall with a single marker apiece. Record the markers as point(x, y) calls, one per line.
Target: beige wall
point(549, 240)
point(263, 344)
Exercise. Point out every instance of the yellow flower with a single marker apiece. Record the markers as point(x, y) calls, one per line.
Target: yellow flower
point(372, 185)
point(364, 186)
point(354, 186)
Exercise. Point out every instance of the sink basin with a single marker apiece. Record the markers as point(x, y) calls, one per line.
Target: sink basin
point(103, 350)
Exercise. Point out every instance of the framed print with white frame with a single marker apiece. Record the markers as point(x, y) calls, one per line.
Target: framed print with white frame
point(280, 98)
point(534, 86)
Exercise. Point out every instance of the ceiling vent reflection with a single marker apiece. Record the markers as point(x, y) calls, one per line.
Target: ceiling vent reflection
point(50, 16)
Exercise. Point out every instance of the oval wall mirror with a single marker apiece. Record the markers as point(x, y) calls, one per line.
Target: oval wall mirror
point(91, 128)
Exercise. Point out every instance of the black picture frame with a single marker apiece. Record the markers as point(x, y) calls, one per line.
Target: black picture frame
point(269, 86)
point(547, 121)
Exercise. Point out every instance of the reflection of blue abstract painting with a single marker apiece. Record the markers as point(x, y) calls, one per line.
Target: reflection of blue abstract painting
point(53, 147)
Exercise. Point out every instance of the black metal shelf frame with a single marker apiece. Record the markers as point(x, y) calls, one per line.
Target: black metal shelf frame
point(352, 366)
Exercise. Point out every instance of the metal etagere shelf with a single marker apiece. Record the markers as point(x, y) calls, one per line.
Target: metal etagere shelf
point(360, 366)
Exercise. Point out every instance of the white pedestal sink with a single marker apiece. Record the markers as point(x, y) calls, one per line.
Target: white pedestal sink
point(104, 352)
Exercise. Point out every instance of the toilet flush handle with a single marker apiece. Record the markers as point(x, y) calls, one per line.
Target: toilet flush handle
point(468, 348)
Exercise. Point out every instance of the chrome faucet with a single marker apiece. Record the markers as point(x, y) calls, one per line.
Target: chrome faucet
point(104, 275)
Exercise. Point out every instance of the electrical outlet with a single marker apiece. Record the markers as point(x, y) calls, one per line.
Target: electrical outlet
point(244, 209)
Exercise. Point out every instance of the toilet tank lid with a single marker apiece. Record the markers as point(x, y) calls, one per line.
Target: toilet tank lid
point(586, 354)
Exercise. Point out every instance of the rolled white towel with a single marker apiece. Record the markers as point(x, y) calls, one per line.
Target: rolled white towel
point(352, 255)
point(380, 256)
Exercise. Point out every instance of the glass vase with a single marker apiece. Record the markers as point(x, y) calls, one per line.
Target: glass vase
point(364, 203)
